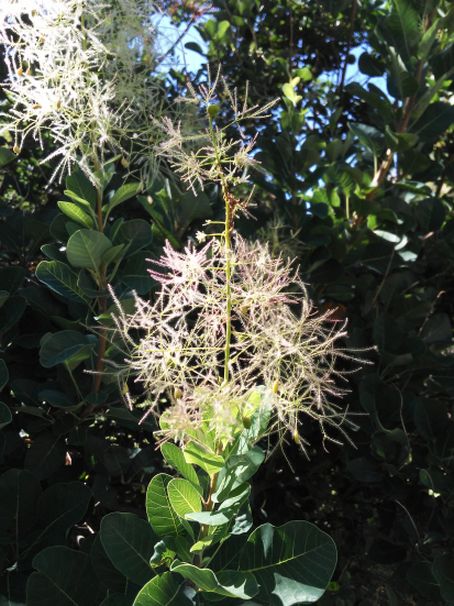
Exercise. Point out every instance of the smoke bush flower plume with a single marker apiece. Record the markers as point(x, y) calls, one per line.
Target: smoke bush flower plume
point(277, 341)
point(80, 71)
point(230, 320)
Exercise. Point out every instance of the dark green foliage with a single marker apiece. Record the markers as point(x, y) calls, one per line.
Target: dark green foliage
point(356, 180)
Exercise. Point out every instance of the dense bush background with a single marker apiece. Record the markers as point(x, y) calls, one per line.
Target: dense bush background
point(356, 180)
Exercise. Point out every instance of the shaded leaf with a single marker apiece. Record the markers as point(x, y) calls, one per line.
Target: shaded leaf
point(123, 193)
point(86, 247)
point(64, 577)
point(65, 346)
point(78, 183)
point(61, 279)
point(5, 415)
point(129, 543)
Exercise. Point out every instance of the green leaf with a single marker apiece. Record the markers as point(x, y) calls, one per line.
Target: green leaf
point(161, 515)
point(290, 93)
point(20, 491)
point(184, 497)
point(58, 508)
point(193, 46)
point(57, 399)
point(86, 248)
point(11, 278)
point(64, 578)
point(77, 198)
point(370, 137)
point(193, 206)
point(106, 572)
point(136, 234)
point(125, 192)
point(61, 279)
point(4, 374)
point(78, 183)
point(304, 73)
point(223, 26)
point(75, 213)
point(5, 415)
point(4, 296)
point(113, 254)
point(207, 460)
point(402, 29)
point(228, 583)
point(293, 563)
point(6, 156)
point(209, 518)
point(116, 599)
point(164, 590)
point(437, 118)
point(11, 312)
point(256, 414)
point(134, 273)
point(237, 470)
point(129, 543)
point(65, 346)
point(443, 571)
point(370, 65)
point(175, 458)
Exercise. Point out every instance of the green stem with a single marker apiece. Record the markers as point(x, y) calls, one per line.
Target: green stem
point(228, 281)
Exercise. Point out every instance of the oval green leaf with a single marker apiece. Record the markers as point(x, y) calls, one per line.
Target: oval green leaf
point(5, 415)
point(293, 563)
point(161, 515)
point(175, 458)
point(164, 590)
point(67, 346)
point(129, 543)
point(75, 213)
point(230, 583)
point(64, 578)
point(86, 248)
point(60, 278)
point(184, 497)
point(125, 192)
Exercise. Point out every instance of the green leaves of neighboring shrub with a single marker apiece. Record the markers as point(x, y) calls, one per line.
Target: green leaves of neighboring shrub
point(129, 543)
point(64, 577)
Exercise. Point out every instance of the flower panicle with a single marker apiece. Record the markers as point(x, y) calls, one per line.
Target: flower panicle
point(78, 71)
point(201, 151)
point(278, 341)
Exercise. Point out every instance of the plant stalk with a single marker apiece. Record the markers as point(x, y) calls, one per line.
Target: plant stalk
point(228, 281)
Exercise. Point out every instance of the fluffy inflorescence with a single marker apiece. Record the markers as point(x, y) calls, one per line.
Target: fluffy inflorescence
point(176, 345)
point(79, 71)
point(200, 150)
